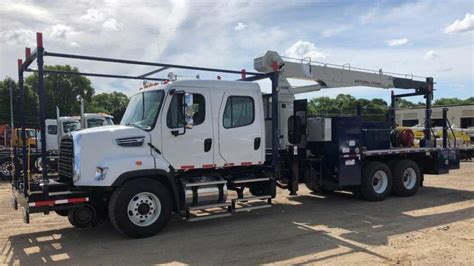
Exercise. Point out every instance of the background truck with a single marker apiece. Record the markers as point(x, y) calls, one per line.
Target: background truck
point(53, 134)
point(31, 138)
point(55, 131)
point(211, 148)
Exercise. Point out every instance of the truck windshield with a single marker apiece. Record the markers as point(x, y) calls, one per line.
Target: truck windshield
point(109, 121)
point(143, 109)
point(69, 126)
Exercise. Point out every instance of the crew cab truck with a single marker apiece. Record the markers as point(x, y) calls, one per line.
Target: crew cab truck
point(183, 145)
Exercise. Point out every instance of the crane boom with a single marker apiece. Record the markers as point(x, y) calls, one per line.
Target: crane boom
point(332, 76)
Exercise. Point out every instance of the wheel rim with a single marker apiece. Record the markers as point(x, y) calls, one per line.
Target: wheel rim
point(409, 178)
point(379, 182)
point(6, 168)
point(144, 209)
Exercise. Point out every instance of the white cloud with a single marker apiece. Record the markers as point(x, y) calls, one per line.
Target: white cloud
point(166, 30)
point(17, 37)
point(302, 49)
point(61, 31)
point(430, 55)
point(240, 26)
point(112, 24)
point(334, 31)
point(397, 42)
point(460, 26)
point(75, 44)
point(21, 9)
point(93, 15)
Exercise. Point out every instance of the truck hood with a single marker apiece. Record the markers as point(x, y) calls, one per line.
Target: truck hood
point(116, 148)
point(109, 134)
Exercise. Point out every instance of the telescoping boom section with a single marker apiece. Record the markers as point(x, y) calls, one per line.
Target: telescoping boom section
point(212, 148)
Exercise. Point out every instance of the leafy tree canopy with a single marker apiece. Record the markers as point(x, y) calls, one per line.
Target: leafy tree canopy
point(63, 91)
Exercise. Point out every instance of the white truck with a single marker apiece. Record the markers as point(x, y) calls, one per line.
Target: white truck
point(56, 129)
point(183, 145)
point(72, 123)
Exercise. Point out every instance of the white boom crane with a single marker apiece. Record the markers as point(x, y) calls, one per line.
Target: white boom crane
point(330, 75)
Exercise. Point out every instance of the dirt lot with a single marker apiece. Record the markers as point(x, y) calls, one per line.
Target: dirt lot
point(436, 226)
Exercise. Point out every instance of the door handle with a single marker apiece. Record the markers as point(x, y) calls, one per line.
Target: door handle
point(256, 143)
point(207, 144)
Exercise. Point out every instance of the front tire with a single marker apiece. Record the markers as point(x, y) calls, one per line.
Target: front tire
point(376, 181)
point(140, 208)
point(406, 178)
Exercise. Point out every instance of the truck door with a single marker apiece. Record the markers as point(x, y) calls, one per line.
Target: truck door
point(188, 148)
point(51, 135)
point(240, 129)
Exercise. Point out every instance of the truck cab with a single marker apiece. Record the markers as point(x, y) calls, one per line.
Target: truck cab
point(98, 120)
point(223, 127)
point(178, 147)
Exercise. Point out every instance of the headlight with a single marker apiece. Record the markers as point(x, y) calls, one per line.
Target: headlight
point(77, 157)
point(100, 173)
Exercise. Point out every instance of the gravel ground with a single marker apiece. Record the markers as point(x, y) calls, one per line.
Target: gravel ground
point(436, 226)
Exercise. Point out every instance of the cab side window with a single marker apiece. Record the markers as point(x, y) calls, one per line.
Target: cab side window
point(239, 111)
point(52, 129)
point(175, 116)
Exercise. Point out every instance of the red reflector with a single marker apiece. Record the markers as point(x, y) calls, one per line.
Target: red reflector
point(246, 163)
point(187, 167)
point(44, 203)
point(208, 165)
point(77, 200)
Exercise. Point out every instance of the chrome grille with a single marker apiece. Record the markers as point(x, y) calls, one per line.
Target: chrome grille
point(66, 159)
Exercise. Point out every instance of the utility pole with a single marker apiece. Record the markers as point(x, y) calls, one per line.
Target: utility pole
point(12, 131)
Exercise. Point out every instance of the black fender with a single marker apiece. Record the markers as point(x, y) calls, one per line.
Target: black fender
point(166, 178)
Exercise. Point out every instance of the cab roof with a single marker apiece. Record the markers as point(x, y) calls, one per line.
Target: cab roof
point(211, 84)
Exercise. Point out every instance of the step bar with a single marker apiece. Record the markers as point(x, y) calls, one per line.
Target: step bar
point(266, 202)
point(224, 210)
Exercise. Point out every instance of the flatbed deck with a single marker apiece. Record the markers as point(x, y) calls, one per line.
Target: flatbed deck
point(400, 151)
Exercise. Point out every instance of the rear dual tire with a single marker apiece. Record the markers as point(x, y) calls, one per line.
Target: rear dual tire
point(376, 182)
point(406, 178)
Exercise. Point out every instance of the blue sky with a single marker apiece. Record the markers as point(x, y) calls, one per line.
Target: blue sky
point(426, 38)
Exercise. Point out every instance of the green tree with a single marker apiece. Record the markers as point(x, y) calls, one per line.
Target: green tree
point(469, 100)
point(448, 101)
point(113, 103)
point(31, 104)
point(63, 90)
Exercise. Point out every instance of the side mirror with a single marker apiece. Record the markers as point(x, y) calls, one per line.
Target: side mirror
point(188, 110)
